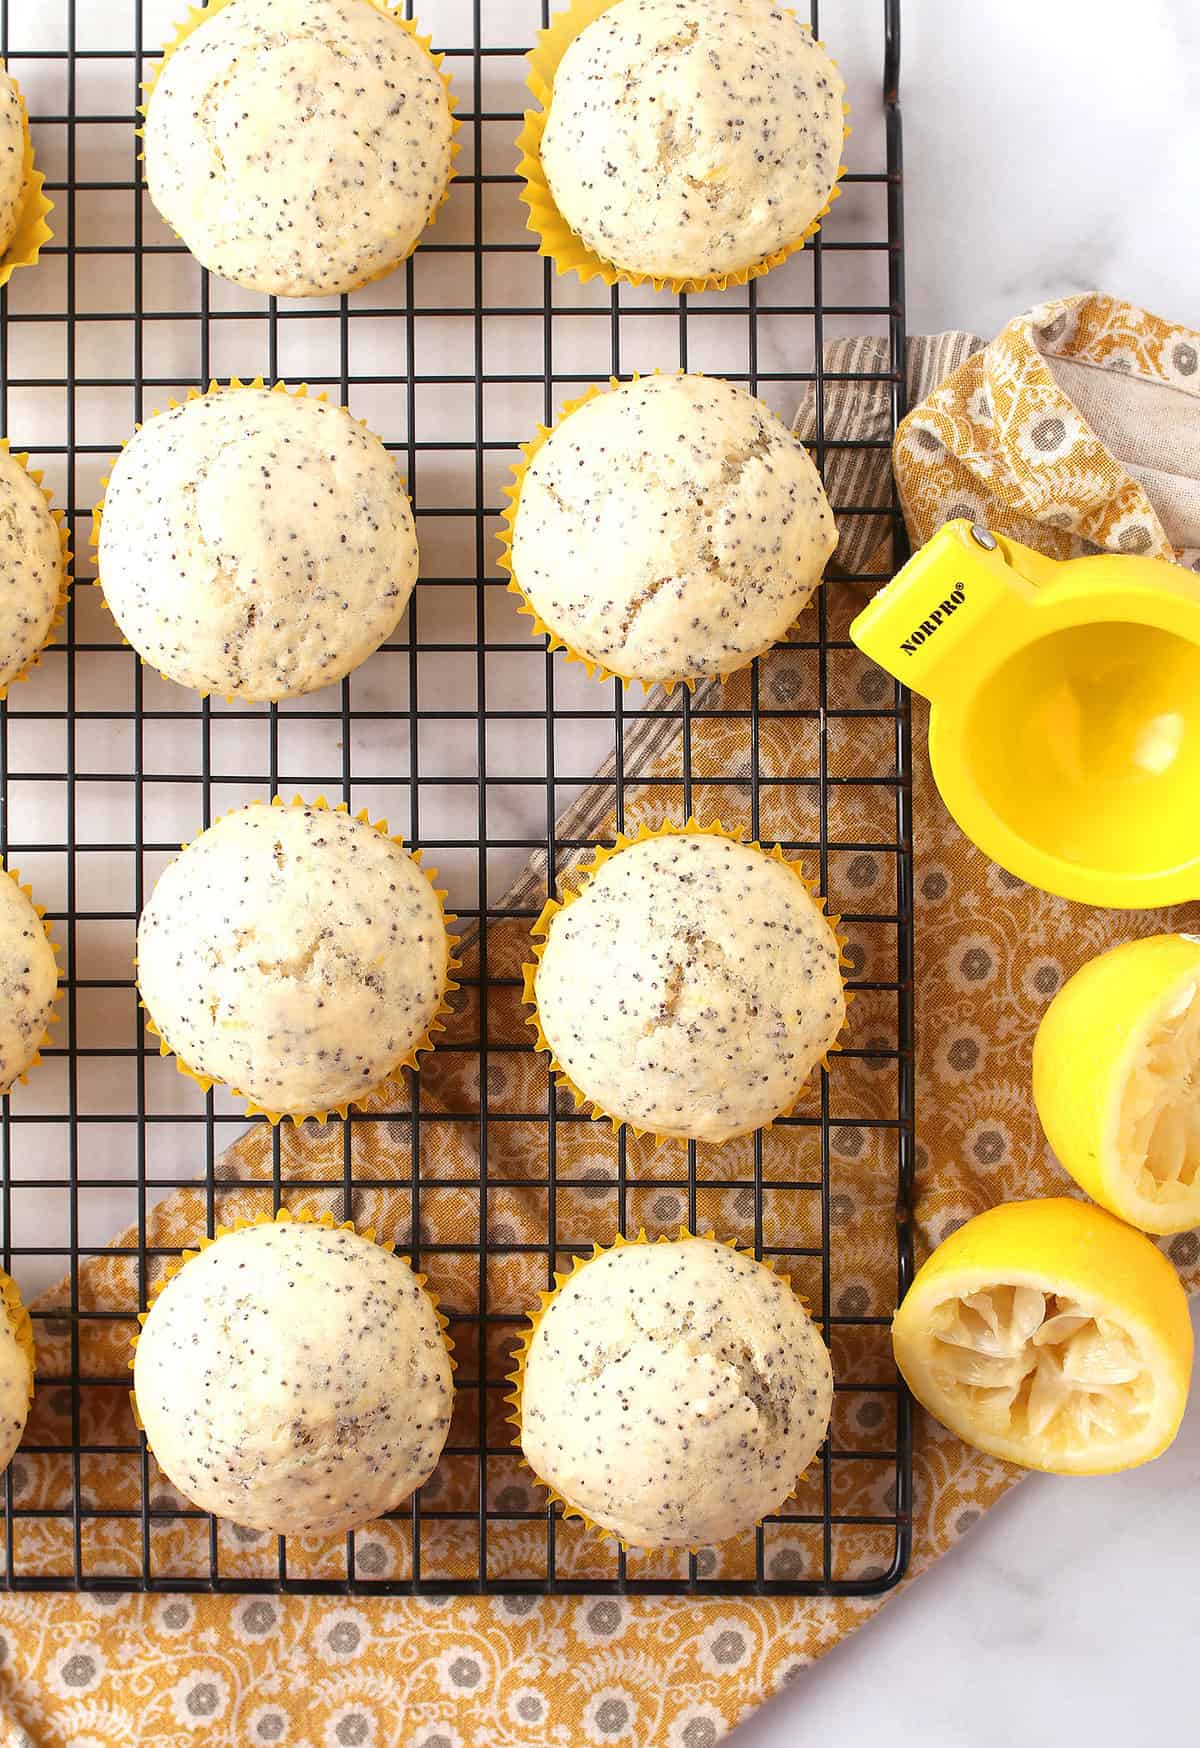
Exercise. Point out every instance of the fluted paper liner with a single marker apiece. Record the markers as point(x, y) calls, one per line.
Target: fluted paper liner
point(299, 393)
point(597, 669)
point(37, 475)
point(437, 1024)
point(32, 231)
point(546, 1298)
point(281, 1215)
point(23, 1077)
point(583, 875)
point(199, 15)
point(556, 239)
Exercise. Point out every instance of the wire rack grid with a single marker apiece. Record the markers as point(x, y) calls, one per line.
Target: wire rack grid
point(495, 758)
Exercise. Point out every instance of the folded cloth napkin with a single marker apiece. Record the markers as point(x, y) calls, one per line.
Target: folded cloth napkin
point(1077, 429)
point(528, 1671)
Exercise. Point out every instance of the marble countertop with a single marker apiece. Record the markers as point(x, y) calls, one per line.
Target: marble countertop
point(1038, 162)
point(1066, 1616)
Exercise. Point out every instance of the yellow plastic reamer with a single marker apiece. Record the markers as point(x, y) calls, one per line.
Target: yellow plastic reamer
point(1064, 733)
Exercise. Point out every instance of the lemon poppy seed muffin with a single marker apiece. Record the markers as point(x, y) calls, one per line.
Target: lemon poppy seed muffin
point(674, 1392)
point(671, 529)
point(28, 981)
point(16, 1369)
point(32, 569)
point(691, 988)
point(689, 138)
point(294, 953)
point(293, 1378)
point(256, 544)
point(12, 159)
point(299, 147)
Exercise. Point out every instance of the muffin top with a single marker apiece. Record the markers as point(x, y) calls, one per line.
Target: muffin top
point(15, 1379)
point(32, 569)
point(691, 988)
point(12, 159)
point(671, 529)
point(295, 953)
point(292, 1377)
point(28, 980)
point(674, 1392)
point(299, 147)
point(693, 137)
point(255, 543)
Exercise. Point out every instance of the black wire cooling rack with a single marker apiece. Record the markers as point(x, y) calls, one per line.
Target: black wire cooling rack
point(474, 741)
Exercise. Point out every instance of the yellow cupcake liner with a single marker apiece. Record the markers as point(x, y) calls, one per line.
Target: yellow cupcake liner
point(19, 1321)
point(299, 393)
point(556, 239)
point(583, 875)
point(437, 1024)
point(22, 1079)
point(597, 670)
point(198, 15)
point(280, 1217)
point(520, 1355)
point(58, 517)
point(32, 231)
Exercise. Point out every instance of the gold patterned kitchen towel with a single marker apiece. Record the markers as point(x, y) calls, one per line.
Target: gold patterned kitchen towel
point(527, 1671)
point(1076, 429)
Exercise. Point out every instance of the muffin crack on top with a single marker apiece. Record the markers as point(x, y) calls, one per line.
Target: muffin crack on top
point(640, 602)
point(757, 1385)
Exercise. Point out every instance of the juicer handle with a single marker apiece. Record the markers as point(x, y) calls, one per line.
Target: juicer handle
point(957, 590)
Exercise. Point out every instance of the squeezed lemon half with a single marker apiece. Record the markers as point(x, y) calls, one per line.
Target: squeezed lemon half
point(1049, 1333)
point(1116, 1080)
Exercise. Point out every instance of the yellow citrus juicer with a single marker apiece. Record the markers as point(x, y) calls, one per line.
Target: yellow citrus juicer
point(1064, 729)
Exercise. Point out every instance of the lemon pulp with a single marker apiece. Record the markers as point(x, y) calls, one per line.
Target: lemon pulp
point(1116, 1080)
point(1050, 1333)
point(1158, 1135)
point(1038, 1366)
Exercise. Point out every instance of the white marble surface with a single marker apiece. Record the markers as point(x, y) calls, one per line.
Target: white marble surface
point(1065, 1617)
point(1050, 148)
